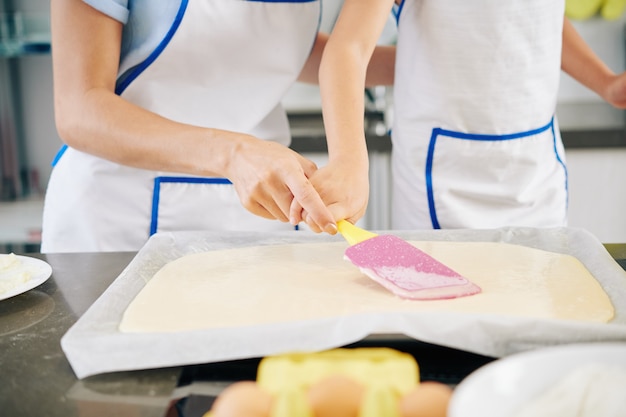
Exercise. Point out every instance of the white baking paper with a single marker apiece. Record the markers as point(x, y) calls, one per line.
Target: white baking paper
point(94, 345)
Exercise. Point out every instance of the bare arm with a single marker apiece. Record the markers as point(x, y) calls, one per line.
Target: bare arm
point(91, 118)
point(380, 70)
point(343, 72)
point(581, 63)
point(344, 183)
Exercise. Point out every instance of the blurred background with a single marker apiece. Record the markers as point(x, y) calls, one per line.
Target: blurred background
point(593, 131)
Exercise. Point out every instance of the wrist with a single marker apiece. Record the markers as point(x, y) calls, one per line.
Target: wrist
point(221, 151)
point(357, 161)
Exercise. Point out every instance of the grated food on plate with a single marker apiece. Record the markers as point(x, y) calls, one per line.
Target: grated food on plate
point(12, 273)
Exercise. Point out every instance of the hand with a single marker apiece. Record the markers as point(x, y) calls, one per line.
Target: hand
point(616, 91)
point(343, 186)
point(268, 177)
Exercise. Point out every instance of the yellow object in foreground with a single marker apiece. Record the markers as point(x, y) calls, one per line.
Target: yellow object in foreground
point(386, 375)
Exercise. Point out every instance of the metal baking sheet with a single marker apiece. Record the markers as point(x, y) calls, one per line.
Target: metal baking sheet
point(94, 345)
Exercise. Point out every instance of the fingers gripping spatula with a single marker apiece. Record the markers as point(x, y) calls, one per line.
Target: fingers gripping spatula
point(401, 267)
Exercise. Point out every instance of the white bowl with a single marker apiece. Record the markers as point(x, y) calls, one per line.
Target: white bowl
point(501, 388)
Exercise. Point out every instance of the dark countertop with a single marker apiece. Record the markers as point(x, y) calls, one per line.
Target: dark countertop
point(37, 380)
point(36, 377)
point(308, 135)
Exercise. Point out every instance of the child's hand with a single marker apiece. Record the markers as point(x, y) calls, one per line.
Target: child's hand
point(344, 187)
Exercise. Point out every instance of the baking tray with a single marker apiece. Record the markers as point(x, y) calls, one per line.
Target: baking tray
point(94, 345)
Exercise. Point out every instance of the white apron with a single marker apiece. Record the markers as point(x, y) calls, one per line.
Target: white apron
point(475, 140)
point(224, 64)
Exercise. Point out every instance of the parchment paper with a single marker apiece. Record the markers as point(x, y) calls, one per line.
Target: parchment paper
point(94, 345)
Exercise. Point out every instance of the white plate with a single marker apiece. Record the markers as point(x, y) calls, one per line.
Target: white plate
point(40, 272)
point(501, 388)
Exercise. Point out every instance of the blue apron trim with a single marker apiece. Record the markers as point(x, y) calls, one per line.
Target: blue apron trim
point(189, 180)
point(560, 161)
point(398, 10)
point(129, 76)
point(59, 154)
point(469, 136)
point(156, 194)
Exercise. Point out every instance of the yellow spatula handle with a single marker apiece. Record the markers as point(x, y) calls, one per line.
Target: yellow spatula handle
point(352, 233)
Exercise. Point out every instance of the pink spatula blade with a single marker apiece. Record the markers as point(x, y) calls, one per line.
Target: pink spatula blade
point(407, 271)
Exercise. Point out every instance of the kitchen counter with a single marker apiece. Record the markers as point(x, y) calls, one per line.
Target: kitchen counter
point(36, 378)
point(308, 134)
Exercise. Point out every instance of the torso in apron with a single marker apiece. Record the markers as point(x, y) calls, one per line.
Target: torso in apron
point(224, 64)
point(475, 141)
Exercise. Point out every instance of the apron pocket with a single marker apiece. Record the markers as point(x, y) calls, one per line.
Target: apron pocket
point(486, 181)
point(196, 203)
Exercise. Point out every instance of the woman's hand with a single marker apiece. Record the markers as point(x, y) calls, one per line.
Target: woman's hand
point(270, 177)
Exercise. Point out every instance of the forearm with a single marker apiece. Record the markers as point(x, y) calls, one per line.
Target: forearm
point(106, 125)
point(580, 62)
point(382, 65)
point(90, 117)
point(310, 71)
point(380, 70)
point(343, 75)
point(343, 106)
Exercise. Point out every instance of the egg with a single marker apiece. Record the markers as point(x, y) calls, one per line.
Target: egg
point(428, 399)
point(335, 396)
point(242, 399)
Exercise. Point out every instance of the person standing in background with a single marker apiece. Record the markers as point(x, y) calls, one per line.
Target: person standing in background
point(171, 116)
point(476, 143)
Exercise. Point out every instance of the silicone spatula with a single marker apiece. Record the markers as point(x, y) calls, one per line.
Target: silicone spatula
point(402, 268)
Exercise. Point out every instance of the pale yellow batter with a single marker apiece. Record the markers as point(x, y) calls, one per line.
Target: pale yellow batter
point(271, 284)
